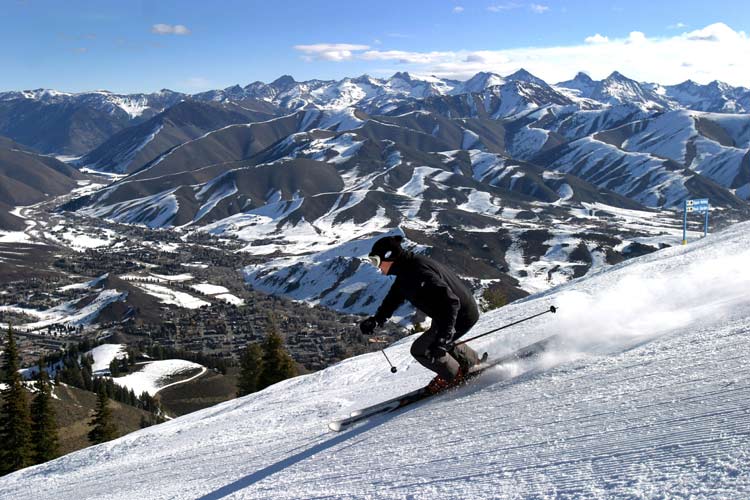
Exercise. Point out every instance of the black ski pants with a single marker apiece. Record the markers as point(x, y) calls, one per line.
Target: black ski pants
point(446, 366)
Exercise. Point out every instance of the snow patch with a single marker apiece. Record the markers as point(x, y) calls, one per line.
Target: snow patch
point(169, 296)
point(209, 289)
point(157, 375)
point(104, 354)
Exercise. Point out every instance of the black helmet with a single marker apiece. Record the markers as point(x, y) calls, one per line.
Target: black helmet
point(387, 248)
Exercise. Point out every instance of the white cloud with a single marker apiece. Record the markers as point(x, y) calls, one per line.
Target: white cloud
point(677, 26)
point(504, 6)
point(718, 32)
point(458, 9)
point(170, 29)
point(538, 8)
point(406, 57)
point(330, 51)
point(596, 39)
point(636, 37)
point(715, 52)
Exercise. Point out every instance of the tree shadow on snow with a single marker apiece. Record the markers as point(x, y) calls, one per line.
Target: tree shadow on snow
point(287, 462)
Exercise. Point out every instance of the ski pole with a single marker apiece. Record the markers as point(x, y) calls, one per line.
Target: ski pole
point(552, 309)
point(393, 368)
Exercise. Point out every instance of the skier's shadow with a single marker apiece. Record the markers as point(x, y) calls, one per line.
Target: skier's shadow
point(279, 466)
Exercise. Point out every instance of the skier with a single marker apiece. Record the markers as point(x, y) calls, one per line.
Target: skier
point(441, 295)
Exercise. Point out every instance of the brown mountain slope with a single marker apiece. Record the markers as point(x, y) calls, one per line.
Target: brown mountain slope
point(27, 178)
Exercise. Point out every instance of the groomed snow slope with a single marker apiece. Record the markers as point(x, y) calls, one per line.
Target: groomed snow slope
point(648, 397)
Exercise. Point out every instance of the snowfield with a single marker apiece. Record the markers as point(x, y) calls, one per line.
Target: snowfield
point(156, 375)
point(66, 313)
point(14, 237)
point(231, 299)
point(103, 356)
point(209, 289)
point(86, 285)
point(169, 296)
point(151, 377)
point(646, 396)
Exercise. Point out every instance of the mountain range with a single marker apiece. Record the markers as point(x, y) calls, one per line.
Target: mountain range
point(51, 121)
point(519, 184)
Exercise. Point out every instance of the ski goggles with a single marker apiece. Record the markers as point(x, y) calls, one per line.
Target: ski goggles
point(374, 260)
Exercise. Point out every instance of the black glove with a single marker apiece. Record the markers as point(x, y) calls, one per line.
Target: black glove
point(443, 345)
point(438, 350)
point(368, 325)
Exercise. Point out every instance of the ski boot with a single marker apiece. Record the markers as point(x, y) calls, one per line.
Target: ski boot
point(439, 384)
point(464, 362)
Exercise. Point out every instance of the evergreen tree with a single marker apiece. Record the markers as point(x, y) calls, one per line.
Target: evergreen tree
point(87, 368)
point(124, 365)
point(44, 427)
point(145, 422)
point(104, 428)
point(251, 368)
point(278, 365)
point(15, 424)
point(148, 403)
point(71, 372)
point(114, 367)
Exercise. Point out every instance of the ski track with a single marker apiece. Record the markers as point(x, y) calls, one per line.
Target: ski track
point(613, 411)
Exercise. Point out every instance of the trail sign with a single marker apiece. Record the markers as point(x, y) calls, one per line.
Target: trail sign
point(701, 206)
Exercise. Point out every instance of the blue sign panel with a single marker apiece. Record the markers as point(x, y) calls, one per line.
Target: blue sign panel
point(700, 205)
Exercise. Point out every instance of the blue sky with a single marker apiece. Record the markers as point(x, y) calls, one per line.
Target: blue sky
point(188, 45)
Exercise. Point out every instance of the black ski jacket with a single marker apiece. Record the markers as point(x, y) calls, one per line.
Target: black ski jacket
point(433, 289)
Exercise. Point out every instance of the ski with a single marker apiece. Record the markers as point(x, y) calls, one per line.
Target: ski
point(529, 351)
point(384, 407)
point(399, 402)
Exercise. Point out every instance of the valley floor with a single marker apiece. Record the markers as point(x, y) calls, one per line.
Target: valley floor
point(648, 397)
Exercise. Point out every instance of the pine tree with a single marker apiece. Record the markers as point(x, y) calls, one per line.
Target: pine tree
point(114, 367)
point(15, 424)
point(87, 368)
point(71, 372)
point(251, 368)
point(145, 422)
point(104, 428)
point(46, 445)
point(278, 365)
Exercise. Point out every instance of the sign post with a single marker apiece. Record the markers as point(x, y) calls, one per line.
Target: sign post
point(701, 206)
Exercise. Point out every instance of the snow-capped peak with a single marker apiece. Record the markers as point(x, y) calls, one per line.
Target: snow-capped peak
point(283, 82)
point(481, 81)
point(524, 76)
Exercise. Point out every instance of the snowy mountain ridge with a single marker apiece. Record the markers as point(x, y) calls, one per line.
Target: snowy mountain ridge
point(522, 185)
point(635, 402)
point(373, 93)
point(85, 120)
point(506, 183)
point(132, 104)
